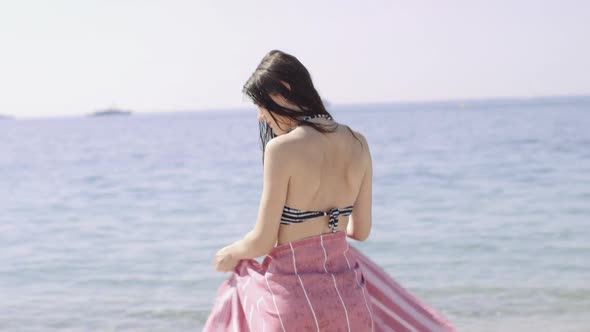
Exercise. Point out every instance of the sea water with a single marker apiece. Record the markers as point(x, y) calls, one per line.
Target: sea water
point(480, 208)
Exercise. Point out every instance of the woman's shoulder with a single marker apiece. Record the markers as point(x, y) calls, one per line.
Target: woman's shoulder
point(358, 135)
point(302, 141)
point(287, 146)
point(283, 145)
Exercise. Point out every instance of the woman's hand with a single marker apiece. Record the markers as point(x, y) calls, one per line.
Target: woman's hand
point(225, 261)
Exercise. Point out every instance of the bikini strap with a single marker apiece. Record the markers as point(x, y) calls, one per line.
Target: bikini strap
point(313, 116)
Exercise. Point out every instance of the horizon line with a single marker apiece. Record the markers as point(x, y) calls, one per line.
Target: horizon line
point(460, 100)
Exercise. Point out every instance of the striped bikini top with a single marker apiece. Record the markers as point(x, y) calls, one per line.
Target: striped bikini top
point(294, 216)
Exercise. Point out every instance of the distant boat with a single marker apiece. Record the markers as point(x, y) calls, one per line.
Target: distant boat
point(110, 111)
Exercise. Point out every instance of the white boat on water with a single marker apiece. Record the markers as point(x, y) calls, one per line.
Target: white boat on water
point(110, 111)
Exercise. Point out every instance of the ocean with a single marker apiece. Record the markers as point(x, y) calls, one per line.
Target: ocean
point(480, 208)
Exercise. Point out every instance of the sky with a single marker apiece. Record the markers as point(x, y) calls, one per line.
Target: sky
point(61, 58)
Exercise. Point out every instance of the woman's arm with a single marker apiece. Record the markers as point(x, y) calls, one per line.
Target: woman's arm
point(263, 237)
point(359, 225)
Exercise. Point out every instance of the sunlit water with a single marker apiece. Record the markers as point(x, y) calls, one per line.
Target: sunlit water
point(111, 223)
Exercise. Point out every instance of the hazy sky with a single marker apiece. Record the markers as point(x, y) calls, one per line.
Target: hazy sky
point(73, 57)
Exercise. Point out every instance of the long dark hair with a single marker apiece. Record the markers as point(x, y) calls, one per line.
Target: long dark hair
point(276, 69)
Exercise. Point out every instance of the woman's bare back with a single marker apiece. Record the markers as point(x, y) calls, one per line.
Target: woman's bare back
point(330, 169)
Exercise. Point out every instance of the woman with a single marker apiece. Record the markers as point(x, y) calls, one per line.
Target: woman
point(317, 192)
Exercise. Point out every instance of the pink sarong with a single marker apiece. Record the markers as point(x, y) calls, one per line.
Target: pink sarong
point(319, 283)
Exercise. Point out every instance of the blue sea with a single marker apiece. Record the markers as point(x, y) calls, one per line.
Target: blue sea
point(481, 208)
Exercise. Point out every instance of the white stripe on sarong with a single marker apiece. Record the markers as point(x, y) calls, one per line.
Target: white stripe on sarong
point(250, 318)
point(394, 315)
point(334, 279)
point(304, 292)
point(258, 309)
point(246, 283)
point(275, 302)
point(404, 305)
point(362, 288)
